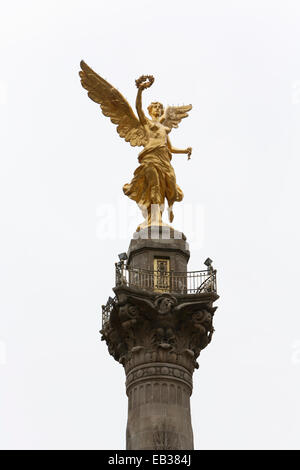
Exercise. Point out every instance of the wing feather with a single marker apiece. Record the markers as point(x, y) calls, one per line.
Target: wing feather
point(113, 105)
point(174, 114)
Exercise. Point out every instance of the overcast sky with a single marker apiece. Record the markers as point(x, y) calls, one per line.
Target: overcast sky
point(63, 167)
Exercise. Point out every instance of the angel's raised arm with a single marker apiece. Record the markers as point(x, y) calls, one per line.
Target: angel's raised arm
point(139, 108)
point(145, 81)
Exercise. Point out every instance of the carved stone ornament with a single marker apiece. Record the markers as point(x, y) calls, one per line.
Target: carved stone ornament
point(162, 326)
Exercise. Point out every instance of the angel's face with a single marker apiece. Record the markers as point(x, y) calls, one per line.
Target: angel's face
point(156, 110)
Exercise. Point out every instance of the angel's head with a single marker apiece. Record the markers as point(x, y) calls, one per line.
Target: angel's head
point(156, 109)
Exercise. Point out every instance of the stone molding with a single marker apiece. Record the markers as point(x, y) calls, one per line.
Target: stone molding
point(159, 371)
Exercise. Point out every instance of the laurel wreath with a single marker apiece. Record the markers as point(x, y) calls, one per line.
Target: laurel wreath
point(145, 81)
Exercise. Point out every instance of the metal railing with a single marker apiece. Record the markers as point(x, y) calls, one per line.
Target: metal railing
point(192, 282)
point(107, 309)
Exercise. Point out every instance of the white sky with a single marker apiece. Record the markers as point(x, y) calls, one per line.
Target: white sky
point(238, 63)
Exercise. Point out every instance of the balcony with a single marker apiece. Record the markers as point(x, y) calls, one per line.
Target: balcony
point(191, 282)
point(195, 283)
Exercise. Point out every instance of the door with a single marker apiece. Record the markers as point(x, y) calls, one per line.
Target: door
point(162, 274)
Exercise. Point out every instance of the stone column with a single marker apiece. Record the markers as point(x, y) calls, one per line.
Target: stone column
point(157, 337)
point(159, 393)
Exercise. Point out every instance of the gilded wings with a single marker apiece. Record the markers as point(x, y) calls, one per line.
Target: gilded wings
point(113, 105)
point(116, 107)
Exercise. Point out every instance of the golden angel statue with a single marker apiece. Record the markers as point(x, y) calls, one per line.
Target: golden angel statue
point(154, 180)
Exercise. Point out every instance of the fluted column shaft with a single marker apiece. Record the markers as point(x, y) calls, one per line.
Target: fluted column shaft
point(159, 407)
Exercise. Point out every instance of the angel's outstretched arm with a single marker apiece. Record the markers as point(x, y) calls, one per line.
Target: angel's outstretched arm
point(139, 108)
point(175, 150)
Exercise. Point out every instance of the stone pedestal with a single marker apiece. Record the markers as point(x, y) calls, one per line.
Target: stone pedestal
point(156, 331)
point(148, 245)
